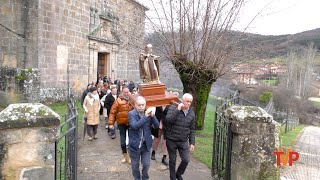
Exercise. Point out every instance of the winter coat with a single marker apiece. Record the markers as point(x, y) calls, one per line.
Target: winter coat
point(180, 127)
point(120, 110)
point(84, 94)
point(131, 86)
point(108, 102)
point(92, 106)
point(137, 126)
point(102, 100)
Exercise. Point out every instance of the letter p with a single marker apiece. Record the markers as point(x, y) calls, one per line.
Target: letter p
point(291, 158)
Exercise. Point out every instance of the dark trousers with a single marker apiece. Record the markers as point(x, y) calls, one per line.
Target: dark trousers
point(144, 154)
point(92, 130)
point(106, 120)
point(183, 148)
point(122, 129)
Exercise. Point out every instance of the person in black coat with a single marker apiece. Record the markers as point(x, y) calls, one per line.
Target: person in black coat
point(110, 98)
point(180, 135)
point(131, 86)
point(84, 94)
point(157, 133)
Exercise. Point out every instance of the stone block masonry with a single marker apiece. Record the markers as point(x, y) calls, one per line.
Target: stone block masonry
point(63, 27)
point(19, 85)
point(18, 30)
point(255, 138)
point(53, 36)
point(27, 135)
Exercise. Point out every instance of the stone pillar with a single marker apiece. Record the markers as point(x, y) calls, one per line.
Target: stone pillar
point(255, 138)
point(27, 135)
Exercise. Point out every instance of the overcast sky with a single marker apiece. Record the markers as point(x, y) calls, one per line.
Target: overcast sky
point(279, 17)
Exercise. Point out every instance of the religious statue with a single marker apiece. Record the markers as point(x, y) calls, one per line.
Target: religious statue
point(149, 66)
point(151, 88)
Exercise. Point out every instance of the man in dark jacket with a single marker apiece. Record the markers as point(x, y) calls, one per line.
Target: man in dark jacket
point(140, 139)
point(131, 86)
point(110, 98)
point(180, 133)
point(84, 94)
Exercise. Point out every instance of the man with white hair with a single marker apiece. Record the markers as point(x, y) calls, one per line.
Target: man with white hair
point(140, 139)
point(180, 135)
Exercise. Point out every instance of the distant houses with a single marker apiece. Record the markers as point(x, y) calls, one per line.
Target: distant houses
point(252, 73)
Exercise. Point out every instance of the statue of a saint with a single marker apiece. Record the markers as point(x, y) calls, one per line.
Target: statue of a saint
point(149, 66)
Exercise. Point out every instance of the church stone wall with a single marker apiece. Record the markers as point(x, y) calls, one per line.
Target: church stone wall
point(52, 36)
point(63, 45)
point(18, 32)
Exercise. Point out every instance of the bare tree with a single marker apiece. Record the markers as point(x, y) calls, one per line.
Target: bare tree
point(300, 68)
point(195, 36)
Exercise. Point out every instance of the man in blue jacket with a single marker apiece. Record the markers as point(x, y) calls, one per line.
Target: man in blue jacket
point(140, 139)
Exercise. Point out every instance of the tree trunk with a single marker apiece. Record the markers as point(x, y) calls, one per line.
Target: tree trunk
point(200, 93)
point(198, 83)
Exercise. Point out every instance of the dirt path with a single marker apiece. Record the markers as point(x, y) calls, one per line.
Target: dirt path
point(308, 165)
point(100, 159)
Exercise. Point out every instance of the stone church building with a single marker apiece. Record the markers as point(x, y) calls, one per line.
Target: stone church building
point(77, 40)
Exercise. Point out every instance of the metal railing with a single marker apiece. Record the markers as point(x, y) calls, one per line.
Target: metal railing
point(270, 107)
point(291, 123)
point(66, 145)
point(222, 138)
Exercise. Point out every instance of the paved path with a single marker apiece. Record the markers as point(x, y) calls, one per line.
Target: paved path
point(316, 99)
point(308, 165)
point(100, 159)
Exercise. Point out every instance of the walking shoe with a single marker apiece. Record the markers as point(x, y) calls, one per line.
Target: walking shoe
point(179, 177)
point(125, 158)
point(164, 161)
point(153, 155)
point(90, 138)
point(112, 133)
point(95, 137)
point(128, 159)
point(113, 136)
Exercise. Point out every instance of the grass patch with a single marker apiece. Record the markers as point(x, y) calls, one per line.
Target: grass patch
point(272, 82)
point(61, 109)
point(289, 139)
point(204, 138)
point(316, 103)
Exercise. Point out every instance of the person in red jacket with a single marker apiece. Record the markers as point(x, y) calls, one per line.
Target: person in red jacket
point(119, 111)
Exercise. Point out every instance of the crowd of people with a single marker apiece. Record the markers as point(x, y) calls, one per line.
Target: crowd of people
point(140, 129)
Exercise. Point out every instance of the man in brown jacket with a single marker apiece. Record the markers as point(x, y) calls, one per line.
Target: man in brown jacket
point(119, 111)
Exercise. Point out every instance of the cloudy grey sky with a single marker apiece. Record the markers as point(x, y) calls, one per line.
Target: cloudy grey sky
point(278, 16)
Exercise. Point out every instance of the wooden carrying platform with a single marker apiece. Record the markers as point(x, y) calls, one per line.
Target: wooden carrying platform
point(155, 95)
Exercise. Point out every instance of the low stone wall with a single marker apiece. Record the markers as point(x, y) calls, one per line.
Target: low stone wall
point(53, 94)
point(23, 86)
point(27, 135)
point(255, 138)
point(19, 85)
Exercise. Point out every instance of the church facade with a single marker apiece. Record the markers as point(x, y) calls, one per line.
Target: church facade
point(72, 41)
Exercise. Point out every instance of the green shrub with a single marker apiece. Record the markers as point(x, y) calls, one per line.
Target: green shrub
point(265, 97)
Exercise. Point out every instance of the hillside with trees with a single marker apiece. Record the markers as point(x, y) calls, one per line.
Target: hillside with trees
point(255, 46)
